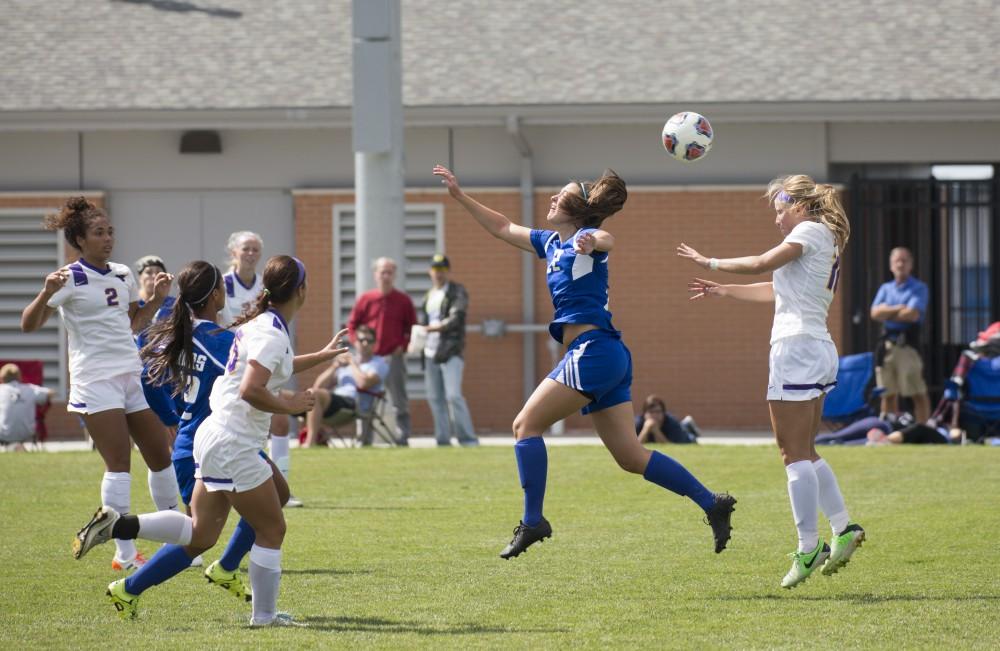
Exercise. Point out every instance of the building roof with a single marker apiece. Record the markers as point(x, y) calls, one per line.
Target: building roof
point(66, 55)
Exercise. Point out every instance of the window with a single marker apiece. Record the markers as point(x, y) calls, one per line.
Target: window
point(29, 254)
point(424, 236)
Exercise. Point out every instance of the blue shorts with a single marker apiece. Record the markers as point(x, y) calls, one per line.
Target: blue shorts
point(184, 469)
point(598, 365)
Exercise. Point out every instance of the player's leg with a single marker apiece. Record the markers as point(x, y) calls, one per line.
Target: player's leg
point(109, 431)
point(550, 403)
point(792, 421)
point(151, 437)
point(616, 428)
point(261, 508)
point(314, 419)
point(280, 452)
point(210, 510)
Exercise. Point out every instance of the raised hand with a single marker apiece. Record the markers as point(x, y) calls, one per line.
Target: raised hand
point(685, 251)
point(585, 243)
point(337, 345)
point(700, 288)
point(161, 285)
point(55, 281)
point(449, 180)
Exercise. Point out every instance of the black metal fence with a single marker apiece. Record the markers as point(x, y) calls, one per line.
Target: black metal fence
point(953, 230)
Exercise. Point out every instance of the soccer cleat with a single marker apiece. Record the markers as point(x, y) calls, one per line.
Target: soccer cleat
point(280, 619)
point(231, 581)
point(843, 548)
point(126, 604)
point(293, 502)
point(525, 536)
point(95, 532)
point(803, 564)
point(124, 566)
point(719, 518)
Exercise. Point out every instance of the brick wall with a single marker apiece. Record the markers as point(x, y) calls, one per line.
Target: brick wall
point(706, 358)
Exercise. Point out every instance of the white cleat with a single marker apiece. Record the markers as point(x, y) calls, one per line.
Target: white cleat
point(280, 619)
point(293, 502)
point(95, 532)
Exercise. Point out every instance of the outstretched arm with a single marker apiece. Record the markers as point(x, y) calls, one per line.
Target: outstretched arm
point(496, 224)
point(755, 292)
point(776, 258)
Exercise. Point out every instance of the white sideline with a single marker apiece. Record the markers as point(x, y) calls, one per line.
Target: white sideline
point(491, 440)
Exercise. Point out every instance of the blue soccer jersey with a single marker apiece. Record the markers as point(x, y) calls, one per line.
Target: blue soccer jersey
point(158, 397)
point(578, 283)
point(210, 351)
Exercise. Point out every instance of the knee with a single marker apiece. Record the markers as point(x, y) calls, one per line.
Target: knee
point(201, 541)
point(273, 535)
point(633, 462)
point(523, 429)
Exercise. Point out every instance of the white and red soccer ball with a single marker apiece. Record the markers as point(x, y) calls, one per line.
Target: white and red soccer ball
point(687, 136)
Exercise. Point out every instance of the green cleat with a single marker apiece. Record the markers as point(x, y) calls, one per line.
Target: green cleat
point(803, 564)
point(126, 604)
point(844, 545)
point(231, 581)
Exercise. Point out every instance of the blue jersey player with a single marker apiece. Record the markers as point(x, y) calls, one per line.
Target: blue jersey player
point(595, 375)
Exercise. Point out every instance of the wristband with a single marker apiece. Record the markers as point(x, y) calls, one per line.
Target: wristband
point(713, 264)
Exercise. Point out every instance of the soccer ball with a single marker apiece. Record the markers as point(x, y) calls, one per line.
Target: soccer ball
point(687, 136)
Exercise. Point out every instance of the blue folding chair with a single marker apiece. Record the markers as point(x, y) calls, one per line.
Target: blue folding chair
point(979, 406)
point(850, 399)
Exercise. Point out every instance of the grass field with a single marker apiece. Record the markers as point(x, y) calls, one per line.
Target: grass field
point(398, 549)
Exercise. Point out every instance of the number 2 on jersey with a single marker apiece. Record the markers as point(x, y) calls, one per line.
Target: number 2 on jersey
point(112, 295)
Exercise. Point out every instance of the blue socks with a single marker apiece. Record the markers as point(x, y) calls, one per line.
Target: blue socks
point(238, 547)
point(664, 471)
point(533, 467)
point(169, 561)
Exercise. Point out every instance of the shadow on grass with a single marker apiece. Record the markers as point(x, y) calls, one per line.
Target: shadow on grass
point(309, 571)
point(380, 625)
point(860, 599)
point(331, 507)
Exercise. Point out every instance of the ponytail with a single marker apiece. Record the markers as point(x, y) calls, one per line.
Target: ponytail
point(596, 201)
point(282, 276)
point(169, 351)
point(821, 201)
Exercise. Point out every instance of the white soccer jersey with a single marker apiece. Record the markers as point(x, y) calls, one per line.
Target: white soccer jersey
point(265, 340)
point(238, 296)
point(94, 306)
point(803, 288)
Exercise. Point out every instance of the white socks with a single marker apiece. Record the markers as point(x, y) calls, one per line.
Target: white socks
point(831, 501)
point(279, 453)
point(165, 526)
point(265, 577)
point(163, 488)
point(116, 492)
point(803, 490)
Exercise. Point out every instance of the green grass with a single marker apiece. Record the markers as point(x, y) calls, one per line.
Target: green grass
point(398, 549)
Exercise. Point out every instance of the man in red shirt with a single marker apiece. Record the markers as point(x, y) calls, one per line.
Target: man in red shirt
point(390, 313)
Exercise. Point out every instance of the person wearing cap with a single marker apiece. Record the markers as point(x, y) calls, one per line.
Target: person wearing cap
point(146, 269)
point(443, 312)
point(158, 397)
point(17, 406)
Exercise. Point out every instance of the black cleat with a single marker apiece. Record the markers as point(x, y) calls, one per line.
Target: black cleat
point(525, 536)
point(718, 517)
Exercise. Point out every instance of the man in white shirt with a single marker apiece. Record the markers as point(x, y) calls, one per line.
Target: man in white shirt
point(17, 406)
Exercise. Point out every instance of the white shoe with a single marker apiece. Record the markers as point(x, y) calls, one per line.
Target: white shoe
point(293, 502)
point(280, 619)
point(95, 532)
point(197, 561)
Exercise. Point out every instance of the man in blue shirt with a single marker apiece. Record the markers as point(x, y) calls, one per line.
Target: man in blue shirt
point(900, 305)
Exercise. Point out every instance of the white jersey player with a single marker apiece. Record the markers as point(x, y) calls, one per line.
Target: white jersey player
point(98, 302)
point(242, 283)
point(803, 359)
point(229, 469)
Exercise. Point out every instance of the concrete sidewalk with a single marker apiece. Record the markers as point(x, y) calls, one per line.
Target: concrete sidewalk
point(718, 437)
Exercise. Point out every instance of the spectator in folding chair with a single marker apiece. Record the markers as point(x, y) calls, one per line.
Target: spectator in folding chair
point(357, 379)
point(17, 407)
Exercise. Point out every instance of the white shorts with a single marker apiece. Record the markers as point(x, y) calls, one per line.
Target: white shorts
point(801, 368)
point(224, 462)
point(116, 392)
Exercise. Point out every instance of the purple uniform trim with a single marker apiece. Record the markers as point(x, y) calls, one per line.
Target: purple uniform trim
point(78, 405)
point(79, 275)
point(230, 288)
point(807, 387)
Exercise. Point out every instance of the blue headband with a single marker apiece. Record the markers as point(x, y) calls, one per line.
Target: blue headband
point(302, 273)
point(784, 197)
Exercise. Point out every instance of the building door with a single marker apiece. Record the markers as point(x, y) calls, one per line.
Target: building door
point(953, 229)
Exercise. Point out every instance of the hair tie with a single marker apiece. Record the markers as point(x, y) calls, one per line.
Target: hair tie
point(265, 291)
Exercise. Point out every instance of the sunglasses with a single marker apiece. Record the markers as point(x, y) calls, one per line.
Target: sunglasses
point(365, 340)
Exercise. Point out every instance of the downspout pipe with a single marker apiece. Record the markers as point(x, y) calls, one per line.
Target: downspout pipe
point(527, 186)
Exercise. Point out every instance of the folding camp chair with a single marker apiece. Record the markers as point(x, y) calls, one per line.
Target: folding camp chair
point(370, 422)
point(851, 399)
point(978, 406)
